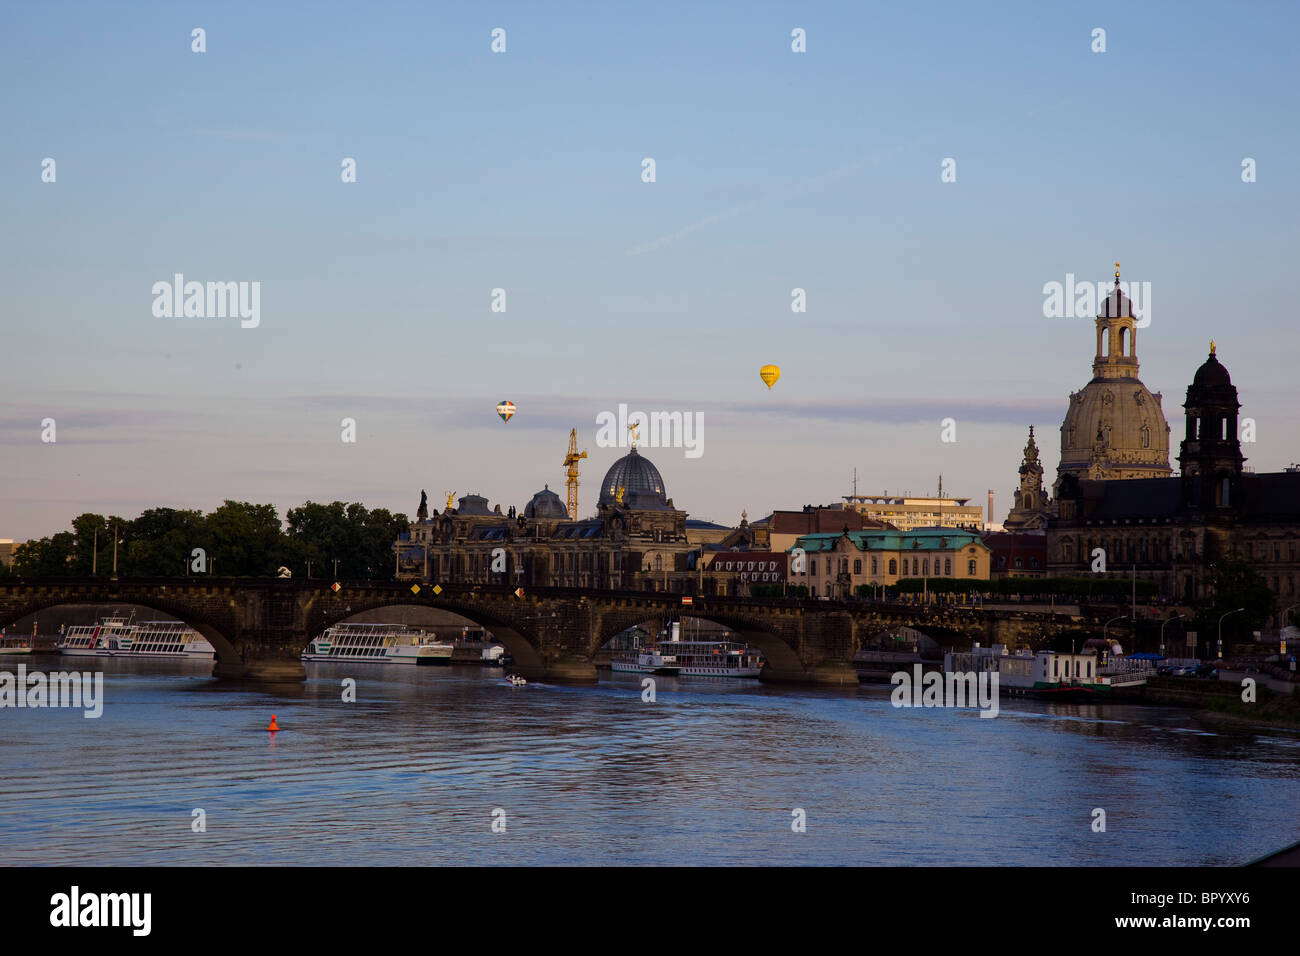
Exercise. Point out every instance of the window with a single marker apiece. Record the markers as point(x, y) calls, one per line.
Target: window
point(1224, 430)
point(1020, 562)
point(659, 562)
point(1146, 437)
point(875, 565)
point(812, 567)
point(857, 566)
point(947, 567)
point(893, 565)
point(970, 567)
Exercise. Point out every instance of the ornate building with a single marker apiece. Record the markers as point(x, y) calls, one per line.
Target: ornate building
point(1115, 427)
point(636, 540)
point(1029, 502)
point(1172, 530)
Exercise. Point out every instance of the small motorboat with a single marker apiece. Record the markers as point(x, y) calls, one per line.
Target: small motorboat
point(516, 680)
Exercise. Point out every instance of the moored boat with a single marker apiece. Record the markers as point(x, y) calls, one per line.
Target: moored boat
point(378, 644)
point(117, 636)
point(12, 645)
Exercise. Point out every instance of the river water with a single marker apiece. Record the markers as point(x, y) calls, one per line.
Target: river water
point(709, 773)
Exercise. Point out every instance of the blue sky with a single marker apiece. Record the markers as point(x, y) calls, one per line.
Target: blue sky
point(522, 171)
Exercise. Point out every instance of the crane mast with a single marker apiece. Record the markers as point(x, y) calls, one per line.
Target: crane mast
point(571, 473)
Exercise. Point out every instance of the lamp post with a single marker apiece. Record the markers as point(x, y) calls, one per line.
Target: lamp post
point(1106, 650)
point(1233, 611)
point(1162, 632)
point(1281, 624)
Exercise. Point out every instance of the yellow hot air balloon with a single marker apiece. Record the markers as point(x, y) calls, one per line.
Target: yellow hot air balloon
point(769, 374)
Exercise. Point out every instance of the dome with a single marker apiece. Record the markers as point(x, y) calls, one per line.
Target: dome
point(546, 504)
point(1211, 374)
point(1116, 305)
point(1115, 429)
point(636, 476)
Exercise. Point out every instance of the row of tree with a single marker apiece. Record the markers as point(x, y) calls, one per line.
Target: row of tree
point(238, 539)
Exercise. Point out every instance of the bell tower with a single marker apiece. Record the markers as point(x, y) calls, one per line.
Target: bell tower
point(1029, 501)
point(1210, 457)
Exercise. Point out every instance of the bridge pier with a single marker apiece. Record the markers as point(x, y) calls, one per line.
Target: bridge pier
point(832, 673)
point(270, 672)
point(569, 669)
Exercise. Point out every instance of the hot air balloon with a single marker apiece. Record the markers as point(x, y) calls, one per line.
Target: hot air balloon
point(769, 374)
point(505, 410)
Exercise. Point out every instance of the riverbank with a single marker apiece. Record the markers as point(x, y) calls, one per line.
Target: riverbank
point(1220, 701)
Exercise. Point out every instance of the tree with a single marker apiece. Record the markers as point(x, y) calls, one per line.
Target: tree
point(245, 539)
point(360, 541)
point(48, 557)
point(1235, 584)
point(163, 540)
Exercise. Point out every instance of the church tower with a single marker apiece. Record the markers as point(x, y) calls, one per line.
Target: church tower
point(1210, 458)
point(1029, 501)
point(1114, 427)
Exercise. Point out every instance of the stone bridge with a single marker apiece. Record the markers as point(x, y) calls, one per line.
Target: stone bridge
point(259, 627)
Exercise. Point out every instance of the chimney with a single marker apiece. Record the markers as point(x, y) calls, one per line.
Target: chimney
point(990, 521)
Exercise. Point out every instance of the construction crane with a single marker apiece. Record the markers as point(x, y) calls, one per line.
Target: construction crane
point(571, 465)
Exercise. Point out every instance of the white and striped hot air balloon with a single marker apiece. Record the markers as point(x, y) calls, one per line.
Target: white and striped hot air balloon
point(505, 410)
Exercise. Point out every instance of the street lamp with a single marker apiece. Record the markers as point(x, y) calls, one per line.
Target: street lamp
point(1283, 624)
point(1106, 650)
point(1233, 611)
point(1162, 632)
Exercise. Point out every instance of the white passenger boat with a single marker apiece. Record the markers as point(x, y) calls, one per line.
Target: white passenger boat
point(378, 644)
point(117, 636)
point(690, 658)
point(10, 645)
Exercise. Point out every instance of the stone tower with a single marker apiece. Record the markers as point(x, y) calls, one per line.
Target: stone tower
point(1115, 427)
point(1029, 502)
point(1210, 457)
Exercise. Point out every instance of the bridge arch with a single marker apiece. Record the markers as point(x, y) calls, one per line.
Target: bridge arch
point(775, 648)
point(520, 642)
point(215, 632)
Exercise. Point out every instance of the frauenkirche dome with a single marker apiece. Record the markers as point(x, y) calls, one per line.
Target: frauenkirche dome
point(1115, 427)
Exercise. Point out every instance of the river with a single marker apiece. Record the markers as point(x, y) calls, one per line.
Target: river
point(417, 769)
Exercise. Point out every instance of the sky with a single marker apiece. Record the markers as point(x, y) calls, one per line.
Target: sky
point(522, 170)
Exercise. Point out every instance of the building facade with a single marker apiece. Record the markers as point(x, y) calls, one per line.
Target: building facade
point(835, 565)
point(909, 514)
point(786, 527)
